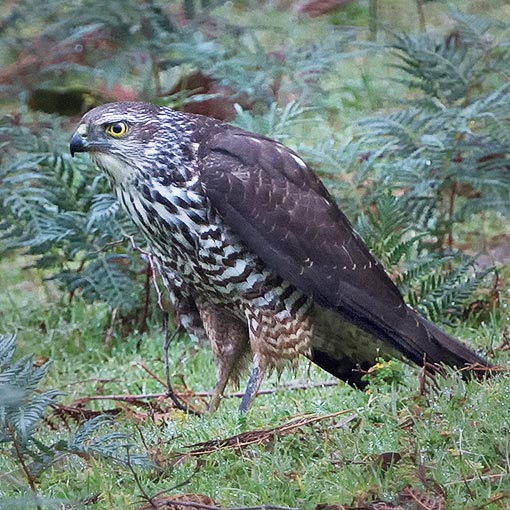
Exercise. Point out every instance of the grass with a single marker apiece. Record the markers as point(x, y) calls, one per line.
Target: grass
point(449, 446)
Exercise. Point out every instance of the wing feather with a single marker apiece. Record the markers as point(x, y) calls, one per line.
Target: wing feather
point(280, 209)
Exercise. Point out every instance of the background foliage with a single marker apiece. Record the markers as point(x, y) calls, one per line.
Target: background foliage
point(410, 132)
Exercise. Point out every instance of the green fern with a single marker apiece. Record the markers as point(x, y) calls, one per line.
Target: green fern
point(477, 31)
point(438, 286)
point(107, 277)
point(57, 209)
point(275, 122)
point(387, 231)
point(238, 58)
point(60, 209)
point(447, 149)
point(442, 69)
point(22, 409)
point(113, 446)
point(443, 294)
point(454, 133)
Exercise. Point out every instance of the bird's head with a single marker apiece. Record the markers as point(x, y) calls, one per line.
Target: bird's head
point(124, 138)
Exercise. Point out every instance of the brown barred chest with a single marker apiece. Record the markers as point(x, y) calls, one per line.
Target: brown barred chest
point(200, 255)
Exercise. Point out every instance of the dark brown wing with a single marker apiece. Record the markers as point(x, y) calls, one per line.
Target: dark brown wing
point(283, 213)
point(281, 210)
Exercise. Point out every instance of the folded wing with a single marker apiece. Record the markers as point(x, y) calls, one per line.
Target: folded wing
point(284, 214)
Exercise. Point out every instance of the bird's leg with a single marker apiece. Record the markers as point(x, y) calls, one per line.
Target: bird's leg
point(223, 375)
point(256, 376)
point(229, 348)
point(229, 342)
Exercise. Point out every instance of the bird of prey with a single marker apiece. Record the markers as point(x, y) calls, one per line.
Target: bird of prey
point(255, 253)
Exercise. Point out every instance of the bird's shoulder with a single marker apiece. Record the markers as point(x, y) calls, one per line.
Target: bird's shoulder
point(243, 154)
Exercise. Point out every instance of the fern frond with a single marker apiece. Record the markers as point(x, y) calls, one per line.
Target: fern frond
point(22, 408)
point(442, 69)
point(274, 123)
point(103, 208)
point(57, 208)
point(387, 231)
point(27, 415)
point(113, 446)
point(473, 30)
point(443, 293)
point(108, 277)
point(7, 348)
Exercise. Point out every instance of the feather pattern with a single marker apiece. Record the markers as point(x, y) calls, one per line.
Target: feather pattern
point(279, 208)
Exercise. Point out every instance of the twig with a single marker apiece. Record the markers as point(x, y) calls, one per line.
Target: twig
point(142, 437)
point(109, 332)
point(291, 386)
point(478, 368)
point(71, 292)
point(168, 338)
point(419, 501)
point(256, 436)
point(372, 19)
point(451, 211)
point(491, 500)
point(210, 507)
point(156, 73)
point(169, 390)
point(259, 507)
point(143, 366)
point(120, 398)
point(137, 480)
point(108, 245)
point(150, 259)
point(463, 461)
point(180, 484)
point(81, 503)
point(421, 15)
point(237, 394)
point(495, 476)
point(176, 502)
point(24, 466)
point(426, 375)
point(147, 294)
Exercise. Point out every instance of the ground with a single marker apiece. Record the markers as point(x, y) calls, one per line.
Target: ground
point(446, 447)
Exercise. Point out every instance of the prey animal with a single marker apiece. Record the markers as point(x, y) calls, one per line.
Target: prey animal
point(255, 253)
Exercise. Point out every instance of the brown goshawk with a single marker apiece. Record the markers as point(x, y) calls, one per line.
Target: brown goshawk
point(254, 251)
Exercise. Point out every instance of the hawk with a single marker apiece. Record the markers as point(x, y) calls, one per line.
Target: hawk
point(255, 253)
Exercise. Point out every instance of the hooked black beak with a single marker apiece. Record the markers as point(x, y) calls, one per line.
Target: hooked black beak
point(78, 143)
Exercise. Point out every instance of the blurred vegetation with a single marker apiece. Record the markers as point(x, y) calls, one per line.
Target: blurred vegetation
point(442, 149)
point(402, 107)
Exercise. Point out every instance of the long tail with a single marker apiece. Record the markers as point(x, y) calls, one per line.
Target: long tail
point(346, 350)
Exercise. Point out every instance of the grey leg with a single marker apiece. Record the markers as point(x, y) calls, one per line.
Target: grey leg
point(256, 376)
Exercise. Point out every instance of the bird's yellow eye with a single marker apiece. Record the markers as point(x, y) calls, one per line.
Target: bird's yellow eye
point(116, 129)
